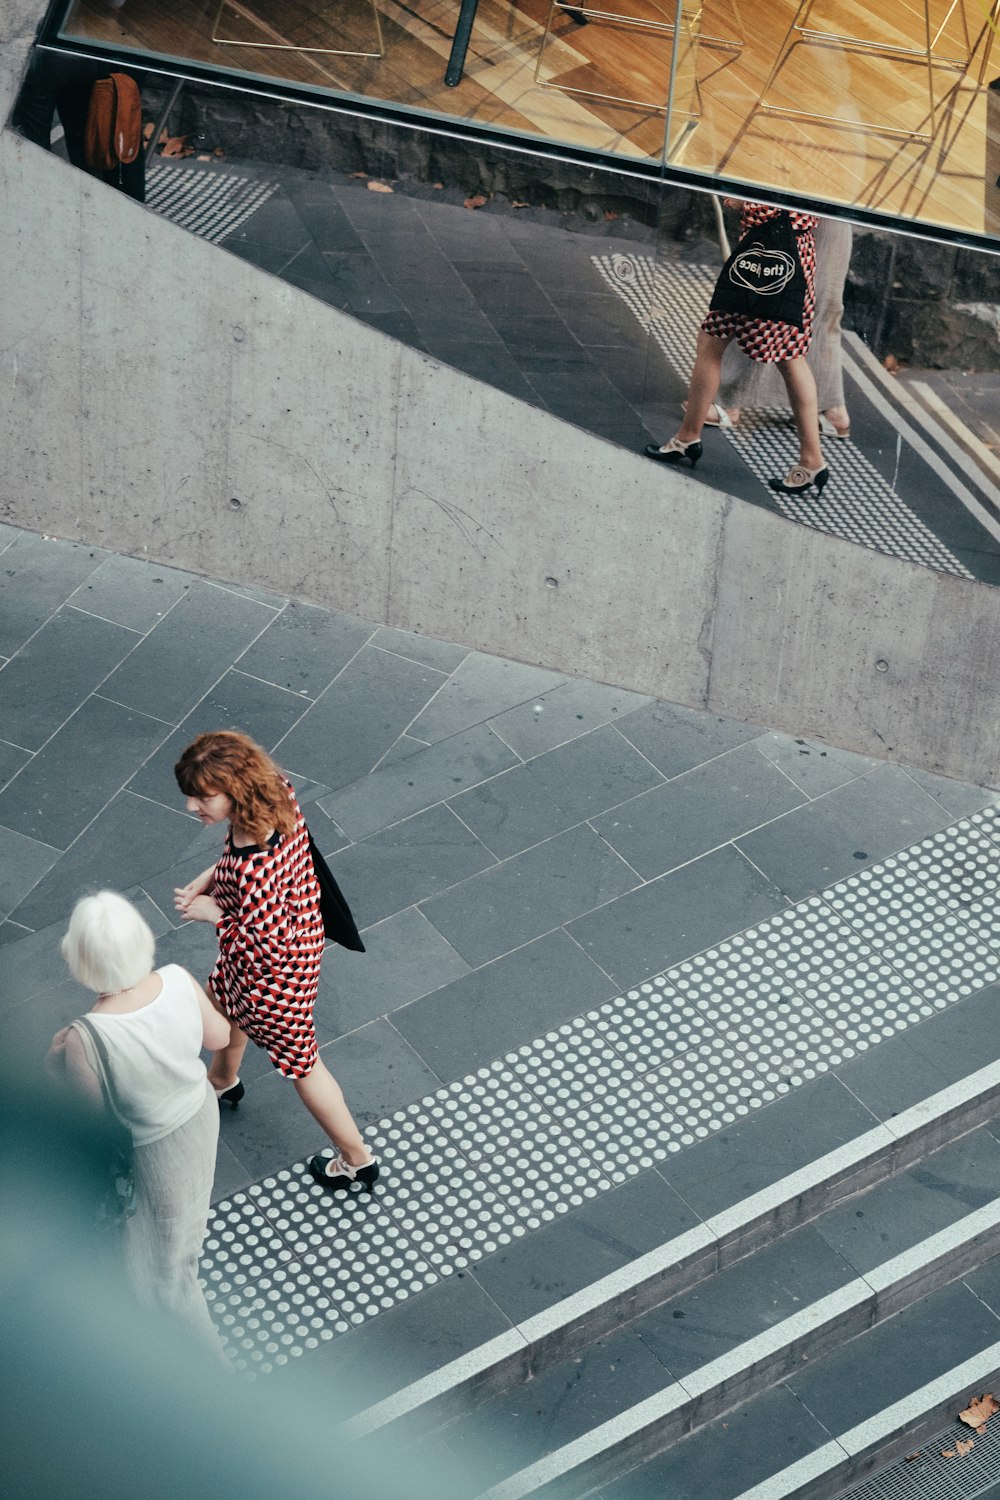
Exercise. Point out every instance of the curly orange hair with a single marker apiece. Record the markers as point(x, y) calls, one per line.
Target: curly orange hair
point(223, 760)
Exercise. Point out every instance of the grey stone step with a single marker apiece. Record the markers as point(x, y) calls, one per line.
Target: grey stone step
point(778, 1353)
point(537, 1343)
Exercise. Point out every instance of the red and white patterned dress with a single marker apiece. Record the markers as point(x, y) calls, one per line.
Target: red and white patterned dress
point(762, 340)
point(270, 945)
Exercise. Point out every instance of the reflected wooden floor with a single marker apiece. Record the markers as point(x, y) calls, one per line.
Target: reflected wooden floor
point(940, 179)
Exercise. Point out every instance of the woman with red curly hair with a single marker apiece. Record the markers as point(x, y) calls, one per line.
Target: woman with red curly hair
point(264, 899)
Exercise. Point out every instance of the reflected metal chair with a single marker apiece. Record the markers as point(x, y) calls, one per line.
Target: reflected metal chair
point(800, 33)
point(583, 13)
point(247, 13)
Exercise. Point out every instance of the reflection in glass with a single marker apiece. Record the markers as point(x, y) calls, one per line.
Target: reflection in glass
point(878, 106)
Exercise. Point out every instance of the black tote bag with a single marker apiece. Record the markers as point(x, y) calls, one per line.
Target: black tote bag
point(338, 924)
point(763, 278)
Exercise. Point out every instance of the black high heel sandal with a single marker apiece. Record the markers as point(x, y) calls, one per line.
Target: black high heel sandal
point(344, 1178)
point(232, 1096)
point(799, 478)
point(674, 452)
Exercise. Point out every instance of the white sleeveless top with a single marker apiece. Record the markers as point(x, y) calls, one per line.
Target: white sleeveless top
point(155, 1056)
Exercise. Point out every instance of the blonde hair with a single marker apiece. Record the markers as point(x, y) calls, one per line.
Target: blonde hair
point(108, 944)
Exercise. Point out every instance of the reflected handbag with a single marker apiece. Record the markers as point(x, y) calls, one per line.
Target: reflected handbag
point(116, 1202)
point(764, 277)
point(338, 924)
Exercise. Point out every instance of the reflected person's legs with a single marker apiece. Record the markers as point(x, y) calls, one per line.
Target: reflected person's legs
point(703, 385)
point(801, 389)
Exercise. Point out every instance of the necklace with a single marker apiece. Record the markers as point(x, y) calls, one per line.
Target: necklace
point(110, 994)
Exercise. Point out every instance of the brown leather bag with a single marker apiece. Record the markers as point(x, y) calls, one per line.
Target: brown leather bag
point(113, 133)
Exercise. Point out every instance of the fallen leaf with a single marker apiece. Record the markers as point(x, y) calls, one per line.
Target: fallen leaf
point(147, 130)
point(979, 1411)
point(961, 1448)
point(204, 158)
point(890, 363)
point(438, 187)
point(517, 203)
point(218, 151)
point(379, 187)
point(609, 214)
point(911, 1456)
point(359, 174)
point(475, 201)
point(175, 145)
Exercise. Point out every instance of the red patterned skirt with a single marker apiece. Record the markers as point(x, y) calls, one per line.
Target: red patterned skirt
point(767, 342)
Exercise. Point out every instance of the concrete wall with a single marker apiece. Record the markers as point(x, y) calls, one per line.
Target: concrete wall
point(162, 398)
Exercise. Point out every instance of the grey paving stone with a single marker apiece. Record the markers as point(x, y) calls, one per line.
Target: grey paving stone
point(814, 767)
point(271, 1127)
point(352, 724)
point(895, 1358)
point(957, 797)
point(892, 1077)
point(832, 837)
point(541, 1269)
point(378, 1071)
point(563, 714)
point(31, 965)
point(422, 1334)
point(305, 648)
point(126, 841)
point(27, 1029)
point(478, 689)
point(649, 929)
point(12, 932)
point(480, 1017)
point(231, 1176)
point(405, 958)
point(23, 862)
point(237, 701)
point(187, 652)
point(195, 947)
point(768, 1145)
point(698, 810)
point(443, 656)
point(728, 1456)
point(80, 769)
point(55, 670)
point(962, 1038)
point(130, 592)
point(159, 885)
point(12, 758)
point(421, 779)
point(554, 791)
point(896, 1214)
point(39, 574)
point(675, 738)
point(514, 1430)
point(402, 749)
point(528, 895)
point(406, 863)
point(743, 1300)
point(985, 1283)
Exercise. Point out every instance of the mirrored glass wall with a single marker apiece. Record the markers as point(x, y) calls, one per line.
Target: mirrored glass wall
point(884, 106)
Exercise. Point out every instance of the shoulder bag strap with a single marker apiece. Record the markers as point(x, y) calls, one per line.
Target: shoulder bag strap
point(97, 1053)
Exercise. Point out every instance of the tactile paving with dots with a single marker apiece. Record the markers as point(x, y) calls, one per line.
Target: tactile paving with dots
point(558, 1121)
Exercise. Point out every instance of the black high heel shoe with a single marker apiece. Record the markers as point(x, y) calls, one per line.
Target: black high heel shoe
point(674, 452)
point(799, 478)
point(232, 1096)
point(345, 1176)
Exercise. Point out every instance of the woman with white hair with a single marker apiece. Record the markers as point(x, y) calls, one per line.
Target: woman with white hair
point(151, 1025)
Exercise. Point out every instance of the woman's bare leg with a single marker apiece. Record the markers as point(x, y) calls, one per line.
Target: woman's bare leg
point(225, 1065)
point(324, 1099)
point(801, 388)
point(705, 378)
